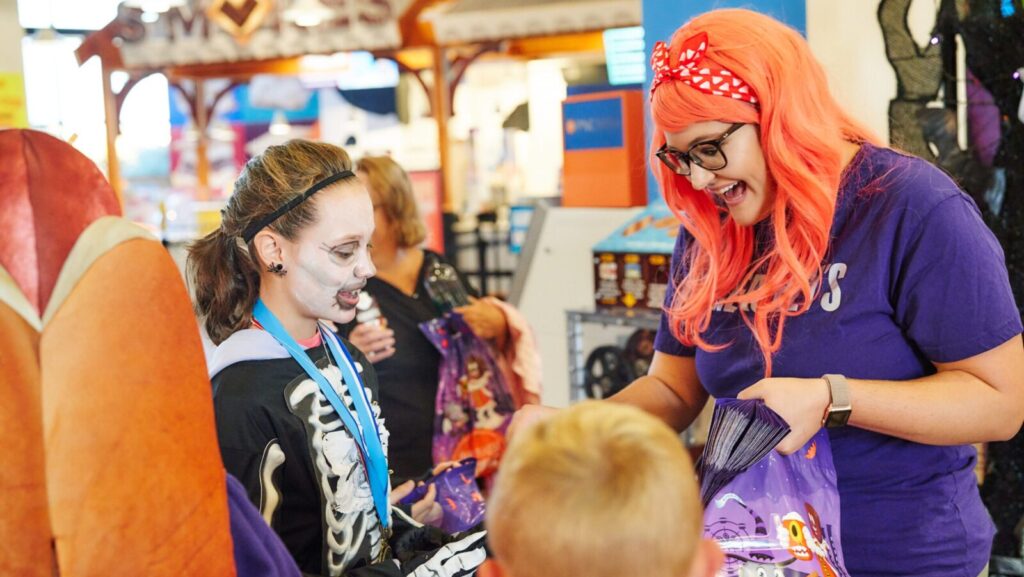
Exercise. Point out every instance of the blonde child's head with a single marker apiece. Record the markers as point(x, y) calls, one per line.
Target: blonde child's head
point(598, 490)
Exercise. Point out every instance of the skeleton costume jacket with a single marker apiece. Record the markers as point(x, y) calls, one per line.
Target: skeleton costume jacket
point(299, 464)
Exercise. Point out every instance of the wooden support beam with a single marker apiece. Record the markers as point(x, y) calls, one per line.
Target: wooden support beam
point(110, 113)
point(414, 31)
point(442, 108)
point(546, 46)
point(235, 70)
point(202, 118)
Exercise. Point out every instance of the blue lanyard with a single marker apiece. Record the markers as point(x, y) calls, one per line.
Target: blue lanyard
point(365, 432)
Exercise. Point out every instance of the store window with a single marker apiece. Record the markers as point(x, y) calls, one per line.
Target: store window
point(63, 98)
point(66, 99)
point(66, 14)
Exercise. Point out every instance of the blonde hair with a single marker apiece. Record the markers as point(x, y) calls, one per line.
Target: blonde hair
point(600, 489)
point(392, 192)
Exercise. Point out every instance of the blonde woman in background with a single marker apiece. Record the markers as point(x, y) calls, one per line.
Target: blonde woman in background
point(406, 362)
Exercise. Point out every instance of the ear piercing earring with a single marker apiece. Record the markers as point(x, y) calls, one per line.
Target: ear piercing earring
point(277, 268)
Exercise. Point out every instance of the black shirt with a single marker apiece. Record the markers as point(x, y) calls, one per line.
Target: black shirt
point(408, 379)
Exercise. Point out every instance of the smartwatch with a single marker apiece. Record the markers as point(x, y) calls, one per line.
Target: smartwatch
point(838, 412)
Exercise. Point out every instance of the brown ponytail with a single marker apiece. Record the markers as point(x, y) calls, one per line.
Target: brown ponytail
point(222, 270)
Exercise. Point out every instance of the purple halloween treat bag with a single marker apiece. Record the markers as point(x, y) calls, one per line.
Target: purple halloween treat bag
point(458, 494)
point(779, 517)
point(473, 406)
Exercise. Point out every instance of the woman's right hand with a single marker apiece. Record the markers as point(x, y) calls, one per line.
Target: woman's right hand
point(376, 342)
point(528, 415)
point(427, 510)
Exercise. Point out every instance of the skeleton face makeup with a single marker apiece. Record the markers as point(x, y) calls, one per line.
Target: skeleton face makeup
point(329, 261)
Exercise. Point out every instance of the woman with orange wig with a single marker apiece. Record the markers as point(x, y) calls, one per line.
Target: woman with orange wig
point(844, 283)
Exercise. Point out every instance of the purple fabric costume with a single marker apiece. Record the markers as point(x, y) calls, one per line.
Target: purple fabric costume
point(913, 275)
point(259, 552)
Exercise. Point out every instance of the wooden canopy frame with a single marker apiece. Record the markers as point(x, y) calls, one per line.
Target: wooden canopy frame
point(420, 54)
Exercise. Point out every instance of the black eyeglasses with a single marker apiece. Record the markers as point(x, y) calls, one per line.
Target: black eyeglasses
point(707, 154)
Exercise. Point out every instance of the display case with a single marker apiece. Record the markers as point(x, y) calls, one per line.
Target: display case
point(608, 348)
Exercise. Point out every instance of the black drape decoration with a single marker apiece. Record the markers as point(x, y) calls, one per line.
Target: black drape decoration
point(990, 169)
point(994, 52)
point(918, 77)
point(993, 35)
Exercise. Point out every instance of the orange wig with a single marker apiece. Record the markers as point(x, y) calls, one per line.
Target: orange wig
point(802, 130)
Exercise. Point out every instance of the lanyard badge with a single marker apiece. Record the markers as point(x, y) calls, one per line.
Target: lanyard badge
point(365, 431)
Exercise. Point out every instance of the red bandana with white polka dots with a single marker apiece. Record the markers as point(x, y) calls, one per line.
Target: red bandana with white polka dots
point(715, 81)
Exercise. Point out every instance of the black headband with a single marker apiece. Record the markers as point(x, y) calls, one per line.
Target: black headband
point(250, 231)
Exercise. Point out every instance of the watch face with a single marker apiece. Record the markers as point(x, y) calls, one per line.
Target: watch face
point(837, 418)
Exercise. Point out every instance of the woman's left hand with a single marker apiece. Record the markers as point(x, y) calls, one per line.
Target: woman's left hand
point(801, 402)
point(486, 320)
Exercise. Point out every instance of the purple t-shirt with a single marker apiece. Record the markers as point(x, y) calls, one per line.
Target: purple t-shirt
point(913, 276)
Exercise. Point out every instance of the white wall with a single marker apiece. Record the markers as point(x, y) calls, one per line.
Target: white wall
point(560, 277)
point(847, 39)
point(547, 90)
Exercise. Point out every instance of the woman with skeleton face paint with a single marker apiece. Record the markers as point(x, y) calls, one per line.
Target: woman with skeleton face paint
point(297, 416)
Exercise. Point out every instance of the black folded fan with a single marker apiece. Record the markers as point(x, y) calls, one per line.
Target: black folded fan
point(742, 433)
